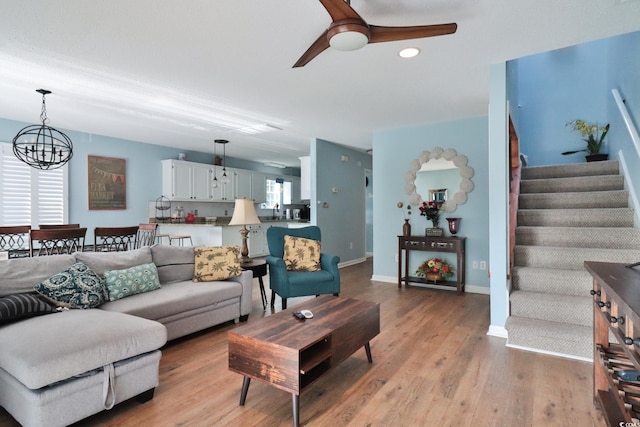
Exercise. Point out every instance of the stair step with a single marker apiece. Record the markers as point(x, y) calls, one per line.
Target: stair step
point(572, 184)
point(552, 307)
point(557, 337)
point(604, 217)
point(573, 200)
point(570, 258)
point(611, 167)
point(579, 237)
point(555, 281)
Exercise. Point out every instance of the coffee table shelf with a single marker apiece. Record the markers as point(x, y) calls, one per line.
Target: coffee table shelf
point(313, 356)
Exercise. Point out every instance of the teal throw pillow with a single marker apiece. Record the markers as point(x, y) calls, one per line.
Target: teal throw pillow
point(131, 281)
point(76, 287)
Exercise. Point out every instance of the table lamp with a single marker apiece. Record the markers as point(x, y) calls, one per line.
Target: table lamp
point(244, 212)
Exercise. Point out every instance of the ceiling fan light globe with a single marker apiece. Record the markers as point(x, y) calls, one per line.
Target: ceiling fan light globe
point(348, 40)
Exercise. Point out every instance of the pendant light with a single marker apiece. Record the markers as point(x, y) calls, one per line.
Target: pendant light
point(214, 181)
point(224, 179)
point(41, 146)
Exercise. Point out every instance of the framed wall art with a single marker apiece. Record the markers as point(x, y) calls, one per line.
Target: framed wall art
point(107, 183)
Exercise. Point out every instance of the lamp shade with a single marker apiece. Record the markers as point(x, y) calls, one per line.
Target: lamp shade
point(244, 212)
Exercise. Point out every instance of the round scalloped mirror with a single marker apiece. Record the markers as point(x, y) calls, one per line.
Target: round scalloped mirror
point(436, 172)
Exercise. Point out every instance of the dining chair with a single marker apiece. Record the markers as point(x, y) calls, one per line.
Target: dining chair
point(114, 239)
point(146, 235)
point(57, 226)
point(15, 240)
point(56, 241)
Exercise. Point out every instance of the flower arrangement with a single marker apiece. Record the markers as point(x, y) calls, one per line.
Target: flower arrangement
point(437, 266)
point(593, 135)
point(431, 210)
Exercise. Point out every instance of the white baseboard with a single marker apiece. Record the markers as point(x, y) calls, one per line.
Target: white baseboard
point(472, 289)
point(498, 331)
point(351, 262)
point(551, 353)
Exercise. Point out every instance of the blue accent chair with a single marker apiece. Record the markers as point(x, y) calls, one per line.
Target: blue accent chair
point(289, 284)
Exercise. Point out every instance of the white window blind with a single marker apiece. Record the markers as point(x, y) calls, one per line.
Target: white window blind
point(30, 196)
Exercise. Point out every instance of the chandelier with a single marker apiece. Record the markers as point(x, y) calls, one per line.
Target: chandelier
point(41, 146)
point(224, 179)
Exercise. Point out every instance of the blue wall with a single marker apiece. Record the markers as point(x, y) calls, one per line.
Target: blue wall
point(394, 149)
point(575, 83)
point(340, 215)
point(144, 176)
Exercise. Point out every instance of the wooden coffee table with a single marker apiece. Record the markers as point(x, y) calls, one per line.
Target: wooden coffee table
point(291, 354)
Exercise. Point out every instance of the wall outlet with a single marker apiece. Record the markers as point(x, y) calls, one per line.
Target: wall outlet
point(483, 265)
point(474, 265)
point(396, 257)
point(350, 245)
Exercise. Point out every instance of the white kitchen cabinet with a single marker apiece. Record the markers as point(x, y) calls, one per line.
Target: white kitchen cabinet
point(186, 181)
point(259, 187)
point(257, 240)
point(242, 184)
point(223, 192)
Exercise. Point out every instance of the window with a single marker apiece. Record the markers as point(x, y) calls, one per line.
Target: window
point(278, 191)
point(30, 196)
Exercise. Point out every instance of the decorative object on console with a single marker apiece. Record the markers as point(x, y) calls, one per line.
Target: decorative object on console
point(435, 269)
point(244, 213)
point(406, 227)
point(593, 136)
point(431, 210)
point(454, 225)
point(41, 146)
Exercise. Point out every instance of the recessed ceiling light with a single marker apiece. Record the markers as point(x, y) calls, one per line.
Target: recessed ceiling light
point(409, 52)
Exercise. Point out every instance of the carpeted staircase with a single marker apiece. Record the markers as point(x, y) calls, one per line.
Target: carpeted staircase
point(567, 214)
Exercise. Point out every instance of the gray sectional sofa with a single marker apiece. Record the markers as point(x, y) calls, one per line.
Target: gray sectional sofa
point(59, 368)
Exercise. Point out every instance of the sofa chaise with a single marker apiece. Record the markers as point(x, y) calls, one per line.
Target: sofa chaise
point(59, 368)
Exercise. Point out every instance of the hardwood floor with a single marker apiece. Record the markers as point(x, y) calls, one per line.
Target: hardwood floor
point(433, 365)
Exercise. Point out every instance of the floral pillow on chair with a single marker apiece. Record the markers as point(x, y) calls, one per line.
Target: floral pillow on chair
point(301, 254)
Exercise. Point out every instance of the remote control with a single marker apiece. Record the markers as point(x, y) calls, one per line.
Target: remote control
point(298, 315)
point(307, 313)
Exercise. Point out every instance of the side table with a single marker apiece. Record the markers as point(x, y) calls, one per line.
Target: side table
point(258, 266)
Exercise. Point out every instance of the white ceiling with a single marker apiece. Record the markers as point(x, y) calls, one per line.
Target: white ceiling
point(154, 70)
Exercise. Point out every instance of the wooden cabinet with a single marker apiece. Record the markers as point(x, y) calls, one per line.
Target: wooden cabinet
point(186, 181)
point(258, 187)
point(616, 346)
point(455, 245)
point(305, 178)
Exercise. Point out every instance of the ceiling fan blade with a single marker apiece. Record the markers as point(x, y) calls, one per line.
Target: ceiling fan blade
point(387, 34)
point(339, 9)
point(318, 46)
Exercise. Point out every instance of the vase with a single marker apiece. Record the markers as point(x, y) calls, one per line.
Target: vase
point(454, 225)
point(406, 228)
point(433, 277)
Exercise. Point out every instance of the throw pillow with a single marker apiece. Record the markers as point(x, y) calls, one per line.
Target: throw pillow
point(131, 281)
point(216, 263)
point(76, 287)
point(301, 254)
point(21, 306)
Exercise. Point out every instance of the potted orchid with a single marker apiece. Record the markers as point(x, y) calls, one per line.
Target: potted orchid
point(594, 137)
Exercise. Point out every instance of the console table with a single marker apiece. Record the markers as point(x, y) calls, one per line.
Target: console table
point(455, 245)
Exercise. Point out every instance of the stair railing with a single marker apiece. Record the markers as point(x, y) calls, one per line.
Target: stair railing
point(627, 119)
point(514, 191)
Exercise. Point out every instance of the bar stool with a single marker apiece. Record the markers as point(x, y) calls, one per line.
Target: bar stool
point(159, 238)
point(180, 239)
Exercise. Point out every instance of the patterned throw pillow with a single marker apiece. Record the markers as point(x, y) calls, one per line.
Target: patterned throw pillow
point(131, 281)
point(216, 263)
point(21, 306)
point(301, 254)
point(76, 287)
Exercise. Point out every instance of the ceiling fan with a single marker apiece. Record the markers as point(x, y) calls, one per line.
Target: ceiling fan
point(349, 31)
